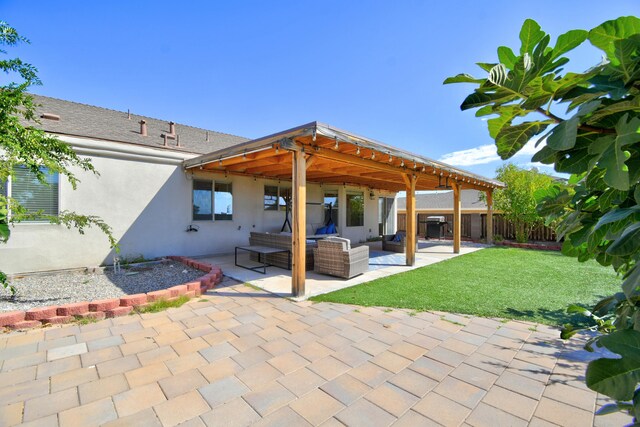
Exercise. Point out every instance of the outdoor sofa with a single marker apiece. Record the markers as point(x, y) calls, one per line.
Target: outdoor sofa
point(335, 256)
point(395, 242)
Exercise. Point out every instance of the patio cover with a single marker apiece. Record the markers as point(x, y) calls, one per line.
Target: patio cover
point(319, 153)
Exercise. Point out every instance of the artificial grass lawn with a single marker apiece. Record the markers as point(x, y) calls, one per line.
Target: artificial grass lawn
point(494, 282)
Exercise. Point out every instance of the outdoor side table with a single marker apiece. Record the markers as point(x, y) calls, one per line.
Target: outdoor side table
point(262, 252)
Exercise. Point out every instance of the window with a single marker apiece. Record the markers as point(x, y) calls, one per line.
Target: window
point(355, 209)
point(270, 198)
point(276, 198)
point(212, 201)
point(223, 202)
point(32, 194)
point(285, 198)
point(202, 201)
point(331, 207)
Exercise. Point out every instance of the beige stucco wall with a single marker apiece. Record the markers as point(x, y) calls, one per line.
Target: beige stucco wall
point(145, 196)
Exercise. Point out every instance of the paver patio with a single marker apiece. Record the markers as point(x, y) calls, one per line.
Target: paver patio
point(381, 264)
point(248, 357)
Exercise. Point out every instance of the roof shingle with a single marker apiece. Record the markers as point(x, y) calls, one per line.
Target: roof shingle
point(102, 123)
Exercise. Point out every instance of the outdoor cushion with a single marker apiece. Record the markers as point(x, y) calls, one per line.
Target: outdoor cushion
point(346, 243)
point(331, 229)
point(321, 230)
point(397, 238)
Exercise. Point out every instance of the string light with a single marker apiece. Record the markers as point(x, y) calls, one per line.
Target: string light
point(358, 151)
point(336, 146)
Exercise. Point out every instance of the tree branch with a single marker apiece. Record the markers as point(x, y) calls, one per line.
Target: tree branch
point(585, 128)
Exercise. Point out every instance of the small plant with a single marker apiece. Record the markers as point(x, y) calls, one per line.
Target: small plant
point(203, 300)
point(413, 313)
point(356, 310)
point(388, 310)
point(498, 238)
point(132, 259)
point(84, 320)
point(162, 305)
point(534, 328)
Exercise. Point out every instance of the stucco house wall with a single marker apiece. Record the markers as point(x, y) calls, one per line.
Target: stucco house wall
point(146, 197)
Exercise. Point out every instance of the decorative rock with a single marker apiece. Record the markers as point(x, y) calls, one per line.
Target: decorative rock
point(104, 304)
point(118, 311)
point(11, 317)
point(73, 309)
point(40, 313)
point(133, 300)
point(56, 320)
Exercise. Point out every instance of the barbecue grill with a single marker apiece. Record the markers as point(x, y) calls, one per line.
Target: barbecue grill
point(435, 227)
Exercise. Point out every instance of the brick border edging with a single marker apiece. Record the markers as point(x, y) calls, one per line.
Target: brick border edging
point(529, 246)
point(113, 307)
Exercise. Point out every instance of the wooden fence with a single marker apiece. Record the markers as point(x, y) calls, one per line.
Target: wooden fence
point(501, 227)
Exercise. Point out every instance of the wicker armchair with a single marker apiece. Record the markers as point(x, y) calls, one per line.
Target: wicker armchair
point(335, 257)
point(389, 245)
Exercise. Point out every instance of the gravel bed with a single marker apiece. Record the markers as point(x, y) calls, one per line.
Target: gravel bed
point(68, 287)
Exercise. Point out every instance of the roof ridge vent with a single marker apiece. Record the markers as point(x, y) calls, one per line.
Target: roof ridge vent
point(172, 128)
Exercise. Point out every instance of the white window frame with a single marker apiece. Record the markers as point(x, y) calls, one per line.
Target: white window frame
point(9, 190)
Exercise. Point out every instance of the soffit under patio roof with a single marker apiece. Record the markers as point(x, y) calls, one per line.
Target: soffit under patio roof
point(335, 156)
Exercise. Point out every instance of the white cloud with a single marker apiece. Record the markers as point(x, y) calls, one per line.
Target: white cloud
point(484, 154)
point(473, 156)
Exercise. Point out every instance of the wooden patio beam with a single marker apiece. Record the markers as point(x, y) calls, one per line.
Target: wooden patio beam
point(410, 181)
point(299, 219)
point(489, 222)
point(457, 217)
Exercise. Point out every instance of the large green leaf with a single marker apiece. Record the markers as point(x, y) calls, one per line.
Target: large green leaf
point(616, 171)
point(626, 52)
point(632, 281)
point(530, 35)
point(568, 41)
point(617, 378)
point(507, 114)
point(481, 98)
point(506, 56)
point(563, 136)
point(604, 35)
point(463, 78)
point(617, 107)
point(628, 132)
point(511, 139)
point(617, 215)
point(628, 243)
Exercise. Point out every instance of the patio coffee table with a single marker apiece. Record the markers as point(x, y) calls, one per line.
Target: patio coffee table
point(262, 252)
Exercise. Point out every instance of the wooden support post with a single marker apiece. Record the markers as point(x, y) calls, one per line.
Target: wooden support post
point(489, 222)
point(299, 217)
point(410, 181)
point(457, 217)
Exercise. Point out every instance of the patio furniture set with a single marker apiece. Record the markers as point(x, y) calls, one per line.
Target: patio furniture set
point(325, 254)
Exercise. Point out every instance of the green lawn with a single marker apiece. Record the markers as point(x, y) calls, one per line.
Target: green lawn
point(494, 282)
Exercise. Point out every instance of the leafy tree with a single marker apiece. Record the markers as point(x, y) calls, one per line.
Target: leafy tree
point(517, 201)
point(27, 146)
point(597, 140)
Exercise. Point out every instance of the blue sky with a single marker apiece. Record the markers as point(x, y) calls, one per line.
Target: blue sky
point(252, 68)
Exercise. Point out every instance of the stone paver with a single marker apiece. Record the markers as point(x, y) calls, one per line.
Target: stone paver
point(245, 357)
